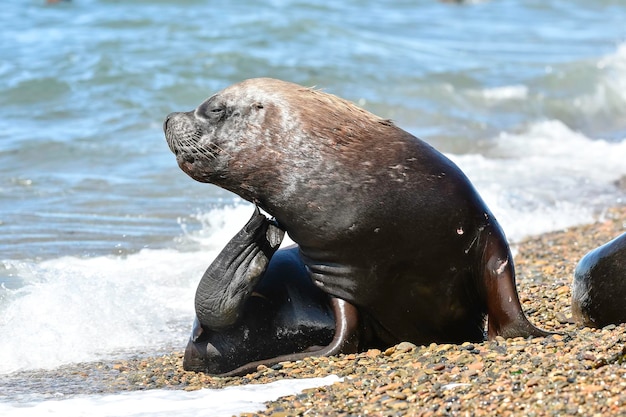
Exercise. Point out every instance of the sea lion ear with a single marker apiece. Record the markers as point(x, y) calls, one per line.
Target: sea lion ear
point(257, 105)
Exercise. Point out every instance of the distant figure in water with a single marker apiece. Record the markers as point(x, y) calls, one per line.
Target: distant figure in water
point(56, 1)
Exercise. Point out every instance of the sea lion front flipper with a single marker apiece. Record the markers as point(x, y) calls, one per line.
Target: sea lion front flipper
point(231, 278)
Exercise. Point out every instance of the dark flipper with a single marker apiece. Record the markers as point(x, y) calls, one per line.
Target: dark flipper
point(345, 340)
point(286, 313)
point(505, 315)
point(230, 279)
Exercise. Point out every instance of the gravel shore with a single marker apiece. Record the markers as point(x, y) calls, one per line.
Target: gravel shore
point(580, 371)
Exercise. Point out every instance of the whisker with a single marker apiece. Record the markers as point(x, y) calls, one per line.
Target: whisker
point(192, 145)
point(200, 150)
point(220, 149)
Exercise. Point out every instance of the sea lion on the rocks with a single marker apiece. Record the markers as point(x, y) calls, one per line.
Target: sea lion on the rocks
point(386, 225)
point(599, 287)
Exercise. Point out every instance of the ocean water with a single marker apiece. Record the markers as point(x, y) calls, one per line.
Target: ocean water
point(103, 239)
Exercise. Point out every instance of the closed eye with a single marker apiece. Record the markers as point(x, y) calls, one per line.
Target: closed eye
point(212, 109)
point(215, 113)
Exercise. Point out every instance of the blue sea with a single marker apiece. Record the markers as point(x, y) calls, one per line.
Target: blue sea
point(103, 239)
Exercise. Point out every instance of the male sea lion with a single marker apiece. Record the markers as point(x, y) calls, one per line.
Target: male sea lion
point(599, 287)
point(386, 225)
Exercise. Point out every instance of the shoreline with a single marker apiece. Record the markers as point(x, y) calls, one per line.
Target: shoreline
point(580, 371)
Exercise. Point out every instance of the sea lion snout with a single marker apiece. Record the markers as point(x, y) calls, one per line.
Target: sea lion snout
point(175, 128)
point(184, 137)
point(167, 119)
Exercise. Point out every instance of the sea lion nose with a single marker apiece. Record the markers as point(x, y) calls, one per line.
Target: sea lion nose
point(170, 137)
point(167, 119)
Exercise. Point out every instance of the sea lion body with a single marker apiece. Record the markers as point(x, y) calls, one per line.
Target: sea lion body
point(383, 221)
point(599, 287)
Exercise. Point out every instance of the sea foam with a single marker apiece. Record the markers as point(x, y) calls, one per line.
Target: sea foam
point(157, 403)
point(546, 177)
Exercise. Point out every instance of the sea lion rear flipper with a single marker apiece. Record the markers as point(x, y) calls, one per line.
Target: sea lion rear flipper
point(345, 340)
point(231, 278)
point(505, 315)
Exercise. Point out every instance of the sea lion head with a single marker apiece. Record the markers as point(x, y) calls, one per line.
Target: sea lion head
point(287, 148)
point(267, 129)
point(206, 139)
point(245, 137)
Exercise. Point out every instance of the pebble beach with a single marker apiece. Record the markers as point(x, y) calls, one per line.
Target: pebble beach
point(578, 371)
